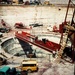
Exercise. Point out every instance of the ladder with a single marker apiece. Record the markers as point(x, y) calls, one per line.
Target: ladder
point(64, 40)
point(63, 45)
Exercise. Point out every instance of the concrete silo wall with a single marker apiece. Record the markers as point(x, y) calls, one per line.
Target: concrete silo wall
point(30, 14)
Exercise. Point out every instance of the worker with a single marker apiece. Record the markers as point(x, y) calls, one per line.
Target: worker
point(36, 38)
point(54, 28)
point(53, 54)
point(44, 40)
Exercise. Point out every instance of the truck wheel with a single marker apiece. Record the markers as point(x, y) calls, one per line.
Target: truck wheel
point(29, 71)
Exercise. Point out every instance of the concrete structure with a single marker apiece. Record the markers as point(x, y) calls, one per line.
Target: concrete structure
point(47, 15)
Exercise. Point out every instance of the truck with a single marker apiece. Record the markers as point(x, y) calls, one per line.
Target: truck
point(29, 66)
point(6, 70)
point(4, 30)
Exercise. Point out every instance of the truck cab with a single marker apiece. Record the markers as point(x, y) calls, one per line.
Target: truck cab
point(5, 70)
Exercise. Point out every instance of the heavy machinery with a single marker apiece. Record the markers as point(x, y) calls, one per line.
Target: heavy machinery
point(70, 35)
point(35, 2)
point(46, 3)
point(36, 25)
point(19, 25)
point(4, 30)
point(6, 1)
point(67, 30)
point(6, 70)
point(29, 65)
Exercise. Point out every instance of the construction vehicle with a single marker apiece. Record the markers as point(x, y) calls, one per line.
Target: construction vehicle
point(19, 25)
point(15, 1)
point(6, 1)
point(46, 3)
point(4, 30)
point(36, 25)
point(70, 34)
point(29, 65)
point(35, 2)
point(6, 70)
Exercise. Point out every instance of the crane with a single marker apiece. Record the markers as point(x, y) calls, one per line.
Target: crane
point(52, 46)
point(69, 33)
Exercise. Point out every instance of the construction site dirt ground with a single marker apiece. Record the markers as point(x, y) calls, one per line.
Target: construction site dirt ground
point(37, 14)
